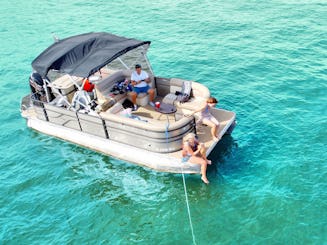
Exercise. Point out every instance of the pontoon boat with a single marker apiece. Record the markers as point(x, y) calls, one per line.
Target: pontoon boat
point(79, 89)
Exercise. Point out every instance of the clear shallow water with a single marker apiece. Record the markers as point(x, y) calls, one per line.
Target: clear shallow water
point(265, 61)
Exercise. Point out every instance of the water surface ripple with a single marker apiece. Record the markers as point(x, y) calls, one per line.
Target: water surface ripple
point(264, 60)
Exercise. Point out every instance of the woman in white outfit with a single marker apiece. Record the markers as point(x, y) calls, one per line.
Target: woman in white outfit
point(208, 119)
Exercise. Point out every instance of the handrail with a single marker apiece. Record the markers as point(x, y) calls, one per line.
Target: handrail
point(118, 128)
point(146, 126)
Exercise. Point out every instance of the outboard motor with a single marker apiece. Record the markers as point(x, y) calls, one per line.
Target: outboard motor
point(37, 88)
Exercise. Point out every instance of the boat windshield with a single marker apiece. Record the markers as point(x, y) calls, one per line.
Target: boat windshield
point(131, 58)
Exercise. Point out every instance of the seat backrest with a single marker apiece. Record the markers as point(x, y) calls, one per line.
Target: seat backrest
point(199, 90)
point(175, 85)
point(109, 82)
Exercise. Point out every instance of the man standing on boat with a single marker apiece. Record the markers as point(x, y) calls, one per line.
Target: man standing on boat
point(140, 80)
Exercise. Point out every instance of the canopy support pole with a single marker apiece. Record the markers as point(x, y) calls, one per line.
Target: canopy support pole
point(123, 63)
point(146, 60)
point(46, 90)
point(74, 82)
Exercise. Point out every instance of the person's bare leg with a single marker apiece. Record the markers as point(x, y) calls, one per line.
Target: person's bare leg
point(151, 94)
point(203, 163)
point(203, 152)
point(204, 172)
point(133, 97)
point(213, 128)
point(216, 128)
point(214, 131)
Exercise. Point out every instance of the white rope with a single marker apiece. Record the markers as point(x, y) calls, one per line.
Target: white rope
point(185, 189)
point(188, 206)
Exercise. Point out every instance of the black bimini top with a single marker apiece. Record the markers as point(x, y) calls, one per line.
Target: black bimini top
point(84, 54)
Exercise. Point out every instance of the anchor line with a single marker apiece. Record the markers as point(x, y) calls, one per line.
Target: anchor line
point(188, 206)
point(185, 190)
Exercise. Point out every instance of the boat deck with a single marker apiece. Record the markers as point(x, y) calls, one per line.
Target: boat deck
point(203, 132)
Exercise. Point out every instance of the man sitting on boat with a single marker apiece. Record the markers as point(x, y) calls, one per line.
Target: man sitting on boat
point(140, 80)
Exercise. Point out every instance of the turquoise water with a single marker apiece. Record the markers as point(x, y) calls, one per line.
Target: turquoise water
point(264, 60)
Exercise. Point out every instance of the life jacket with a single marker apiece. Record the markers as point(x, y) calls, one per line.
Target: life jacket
point(88, 87)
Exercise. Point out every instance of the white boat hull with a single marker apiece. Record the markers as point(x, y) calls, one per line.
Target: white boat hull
point(157, 161)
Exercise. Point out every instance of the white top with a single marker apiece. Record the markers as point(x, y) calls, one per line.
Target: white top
point(139, 77)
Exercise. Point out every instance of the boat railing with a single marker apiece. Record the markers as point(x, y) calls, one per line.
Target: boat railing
point(162, 138)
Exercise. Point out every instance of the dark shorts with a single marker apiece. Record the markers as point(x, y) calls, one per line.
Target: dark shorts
point(142, 89)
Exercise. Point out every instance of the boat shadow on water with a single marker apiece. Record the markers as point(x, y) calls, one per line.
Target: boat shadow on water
point(221, 156)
